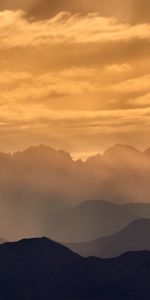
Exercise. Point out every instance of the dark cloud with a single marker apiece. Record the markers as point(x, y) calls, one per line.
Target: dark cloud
point(129, 10)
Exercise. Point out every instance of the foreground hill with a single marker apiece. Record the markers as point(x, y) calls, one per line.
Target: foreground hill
point(41, 269)
point(134, 237)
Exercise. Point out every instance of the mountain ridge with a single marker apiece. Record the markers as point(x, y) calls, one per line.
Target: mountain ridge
point(134, 237)
point(57, 273)
point(43, 147)
point(40, 180)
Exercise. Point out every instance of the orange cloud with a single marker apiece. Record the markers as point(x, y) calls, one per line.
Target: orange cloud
point(17, 31)
point(115, 68)
point(137, 84)
point(96, 82)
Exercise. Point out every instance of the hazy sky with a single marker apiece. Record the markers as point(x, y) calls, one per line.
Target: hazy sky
point(74, 74)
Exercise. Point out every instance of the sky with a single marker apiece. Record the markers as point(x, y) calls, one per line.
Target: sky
point(74, 74)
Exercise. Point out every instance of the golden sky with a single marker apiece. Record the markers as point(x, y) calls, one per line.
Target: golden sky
point(74, 74)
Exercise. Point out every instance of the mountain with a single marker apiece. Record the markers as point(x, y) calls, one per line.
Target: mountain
point(147, 152)
point(42, 269)
point(87, 221)
point(121, 151)
point(38, 253)
point(135, 237)
point(120, 174)
point(140, 209)
point(40, 185)
point(123, 156)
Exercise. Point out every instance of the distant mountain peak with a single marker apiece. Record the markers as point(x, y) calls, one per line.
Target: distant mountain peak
point(42, 151)
point(96, 157)
point(134, 237)
point(121, 148)
point(94, 203)
point(147, 151)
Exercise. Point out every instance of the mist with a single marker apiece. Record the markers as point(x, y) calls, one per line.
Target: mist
point(39, 181)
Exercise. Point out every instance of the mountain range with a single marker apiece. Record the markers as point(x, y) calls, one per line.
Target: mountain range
point(135, 237)
point(87, 221)
point(42, 269)
point(45, 172)
point(82, 223)
point(42, 188)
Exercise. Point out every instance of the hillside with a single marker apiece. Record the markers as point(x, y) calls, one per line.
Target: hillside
point(87, 221)
point(135, 237)
point(41, 269)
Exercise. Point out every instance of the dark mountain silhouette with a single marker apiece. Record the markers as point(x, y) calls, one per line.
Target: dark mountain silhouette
point(29, 252)
point(41, 269)
point(135, 237)
point(40, 184)
point(87, 221)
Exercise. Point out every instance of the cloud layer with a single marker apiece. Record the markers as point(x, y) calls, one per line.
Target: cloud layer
point(73, 79)
point(130, 10)
point(17, 31)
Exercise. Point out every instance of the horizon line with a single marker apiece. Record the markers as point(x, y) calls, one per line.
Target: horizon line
point(76, 156)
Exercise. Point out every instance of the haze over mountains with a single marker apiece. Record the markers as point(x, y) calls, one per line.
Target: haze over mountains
point(135, 237)
point(39, 181)
point(87, 221)
point(43, 171)
point(45, 192)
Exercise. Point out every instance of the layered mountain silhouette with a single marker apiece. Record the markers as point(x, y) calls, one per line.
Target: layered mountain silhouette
point(40, 185)
point(134, 237)
point(87, 221)
point(42, 269)
point(139, 209)
point(50, 173)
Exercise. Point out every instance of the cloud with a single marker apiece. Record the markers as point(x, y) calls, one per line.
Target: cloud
point(142, 101)
point(73, 77)
point(122, 68)
point(133, 11)
point(138, 84)
point(33, 100)
point(7, 77)
point(40, 88)
point(30, 117)
point(17, 31)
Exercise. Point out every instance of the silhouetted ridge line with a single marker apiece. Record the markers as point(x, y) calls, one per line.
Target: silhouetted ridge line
point(135, 237)
point(42, 269)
